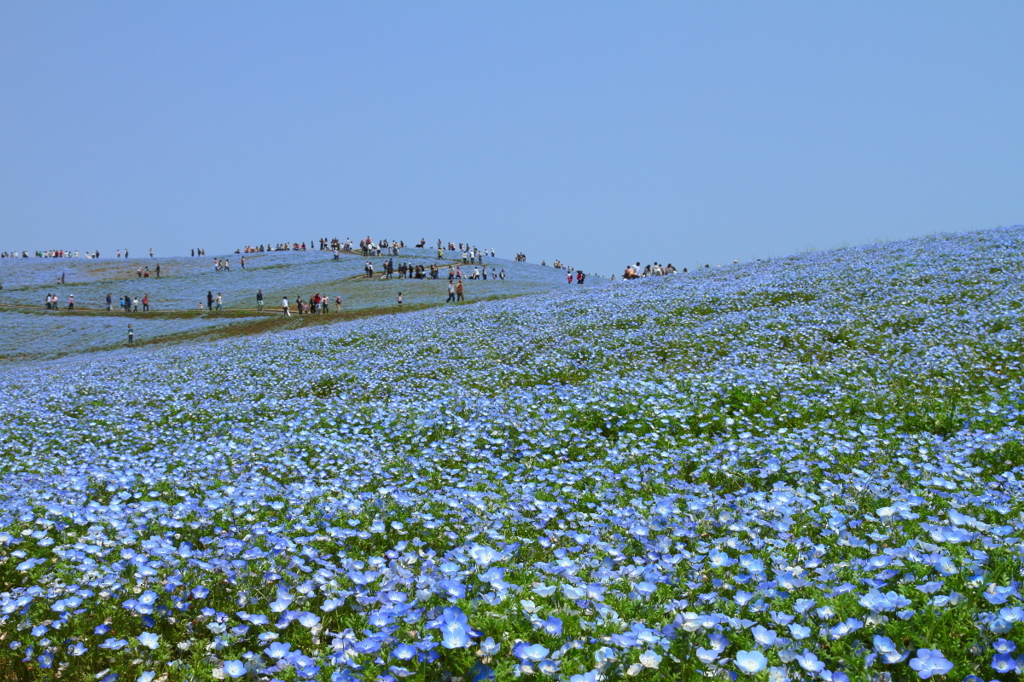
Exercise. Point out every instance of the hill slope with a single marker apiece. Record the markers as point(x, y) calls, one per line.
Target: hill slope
point(33, 333)
point(809, 464)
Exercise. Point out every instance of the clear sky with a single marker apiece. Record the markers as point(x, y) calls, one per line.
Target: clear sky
point(595, 132)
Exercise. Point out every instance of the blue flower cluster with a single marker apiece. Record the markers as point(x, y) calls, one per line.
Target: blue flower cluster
point(807, 468)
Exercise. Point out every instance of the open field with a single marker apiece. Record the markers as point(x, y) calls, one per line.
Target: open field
point(805, 468)
point(33, 333)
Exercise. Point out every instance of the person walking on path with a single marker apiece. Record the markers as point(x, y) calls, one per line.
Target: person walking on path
point(71, 302)
point(284, 307)
point(158, 271)
point(209, 300)
point(131, 336)
point(458, 292)
point(337, 304)
point(220, 300)
point(135, 304)
point(451, 292)
point(259, 300)
point(145, 303)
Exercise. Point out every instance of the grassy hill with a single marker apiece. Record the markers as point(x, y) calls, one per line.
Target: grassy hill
point(33, 333)
point(805, 467)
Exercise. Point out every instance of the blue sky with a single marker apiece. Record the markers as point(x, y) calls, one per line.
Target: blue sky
point(597, 133)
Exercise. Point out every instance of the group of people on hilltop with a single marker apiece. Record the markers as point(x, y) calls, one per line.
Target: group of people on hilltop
point(655, 270)
point(55, 253)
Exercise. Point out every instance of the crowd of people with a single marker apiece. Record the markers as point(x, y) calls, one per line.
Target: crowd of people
point(55, 253)
point(653, 270)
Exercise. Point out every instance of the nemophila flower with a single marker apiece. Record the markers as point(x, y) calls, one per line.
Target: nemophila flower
point(147, 676)
point(552, 626)
point(481, 673)
point(846, 627)
point(404, 652)
point(234, 669)
point(750, 662)
point(802, 605)
point(929, 662)
point(278, 650)
point(532, 652)
point(308, 620)
point(114, 643)
point(77, 649)
point(149, 640)
point(1004, 646)
point(650, 659)
point(1004, 663)
point(547, 667)
point(763, 635)
point(798, 631)
point(809, 662)
point(454, 635)
point(489, 647)
point(887, 650)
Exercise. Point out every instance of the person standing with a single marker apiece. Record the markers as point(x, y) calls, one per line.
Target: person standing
point(451, 292)
point(399, 299)
point(284, 307)
point(71, 302)
point(458, 292)
point(109, 302)
point(220, 300)
point(158, 271)
point(259, 300)
point(131, 336)
point(209, 300)
point(145, 303)
point(135, 304)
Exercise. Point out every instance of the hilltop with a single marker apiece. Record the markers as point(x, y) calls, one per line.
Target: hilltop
point(33, 333)
point(805, 466)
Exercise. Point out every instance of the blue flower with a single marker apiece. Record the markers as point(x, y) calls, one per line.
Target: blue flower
point(404, 652)
point(534, 652)
point(234, 668)
point(930, 662)
point(750, 662)
point(454, 635)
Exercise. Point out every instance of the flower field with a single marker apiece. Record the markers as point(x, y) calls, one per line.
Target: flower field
point(32, 333)
point(805, 468)
point(185, 281)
